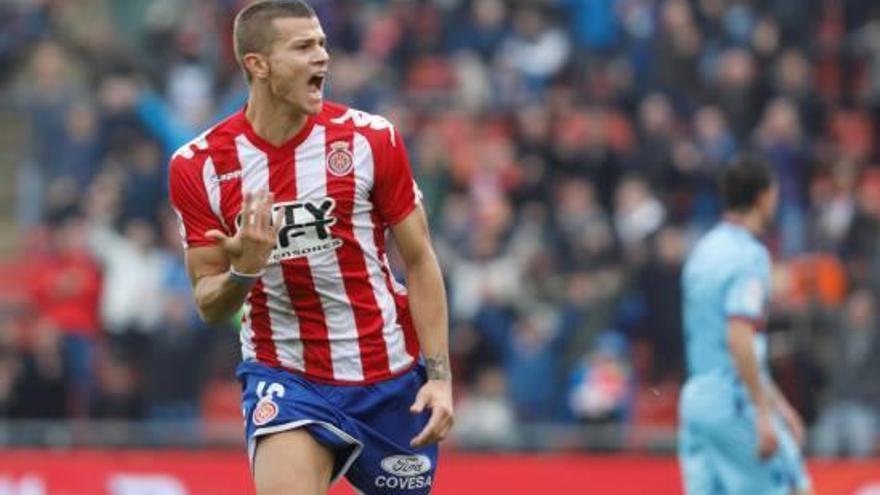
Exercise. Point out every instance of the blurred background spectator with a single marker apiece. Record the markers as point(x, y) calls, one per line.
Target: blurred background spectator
point(567, 150)
point(848, 424)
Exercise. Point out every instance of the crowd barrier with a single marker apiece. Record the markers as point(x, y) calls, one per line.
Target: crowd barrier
point(144, 472)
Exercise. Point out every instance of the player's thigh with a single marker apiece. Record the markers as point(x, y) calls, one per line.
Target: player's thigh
point(790, 466)
point(695, 462)
point(291, 462)
point(740, 469)
point(387, 465)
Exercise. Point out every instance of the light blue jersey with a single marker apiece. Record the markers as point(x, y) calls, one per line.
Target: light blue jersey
point(727, 276)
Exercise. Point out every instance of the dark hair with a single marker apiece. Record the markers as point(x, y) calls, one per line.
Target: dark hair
point(744, 181)
point(253, 31)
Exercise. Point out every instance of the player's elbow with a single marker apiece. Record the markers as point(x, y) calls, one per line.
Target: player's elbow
point(739, 330)
point(420, 257)
point(210, 315)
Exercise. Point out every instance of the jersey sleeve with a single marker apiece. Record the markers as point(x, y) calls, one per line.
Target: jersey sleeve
point(395, 192)
point(186, 190)
point(746, 296)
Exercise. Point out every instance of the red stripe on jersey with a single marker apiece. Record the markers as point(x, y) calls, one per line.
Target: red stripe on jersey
point(189, 196)
point(352, 263)
point(404, 318)
point(262, 326)
point(226, 163)
point(225, 156)
point(298, 275)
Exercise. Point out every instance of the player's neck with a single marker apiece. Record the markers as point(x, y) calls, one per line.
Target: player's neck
point(750, 221)
point(272, 120)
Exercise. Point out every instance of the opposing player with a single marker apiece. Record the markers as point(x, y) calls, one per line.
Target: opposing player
point(284, 209)
point(738, 434)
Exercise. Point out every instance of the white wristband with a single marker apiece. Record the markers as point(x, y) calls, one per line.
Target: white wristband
point(244, 279)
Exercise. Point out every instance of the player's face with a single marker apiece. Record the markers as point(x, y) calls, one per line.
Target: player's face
point(298, 63)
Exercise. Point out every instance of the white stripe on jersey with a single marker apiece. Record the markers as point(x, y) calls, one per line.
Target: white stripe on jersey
point(181, 227)
point(254, 166)
point(342, 330)
point(362, 225)
point(282, 319)
point(246, 335)
point(212, 186)
point(285, 324)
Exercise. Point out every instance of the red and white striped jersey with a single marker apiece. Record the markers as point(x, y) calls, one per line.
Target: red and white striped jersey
point(327, 306)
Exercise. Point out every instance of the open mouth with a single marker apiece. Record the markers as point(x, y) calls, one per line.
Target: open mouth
point(316, 83)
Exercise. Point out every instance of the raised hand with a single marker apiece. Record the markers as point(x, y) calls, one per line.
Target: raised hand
point(249, 249)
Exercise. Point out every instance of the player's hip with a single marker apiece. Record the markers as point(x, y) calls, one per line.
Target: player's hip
point(715, 397)
point(366, 427)
point(331, 357)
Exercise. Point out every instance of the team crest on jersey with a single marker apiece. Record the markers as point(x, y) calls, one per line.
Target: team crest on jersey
point(266, 411)
point(340, 160)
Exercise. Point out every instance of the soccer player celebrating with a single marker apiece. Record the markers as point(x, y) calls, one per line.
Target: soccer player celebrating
point(738, 434)
point(284, 207)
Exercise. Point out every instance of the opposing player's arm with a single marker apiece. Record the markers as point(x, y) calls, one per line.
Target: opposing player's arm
point(740, 340)
point(744, 306)
point(789, 414)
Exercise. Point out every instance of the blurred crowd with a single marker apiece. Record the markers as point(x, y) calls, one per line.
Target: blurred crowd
point(567, 150)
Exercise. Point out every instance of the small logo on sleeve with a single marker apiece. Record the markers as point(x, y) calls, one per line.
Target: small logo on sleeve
point(228, 176)
point(753, 296)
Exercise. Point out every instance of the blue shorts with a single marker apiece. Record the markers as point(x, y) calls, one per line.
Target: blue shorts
point(367, 427)
point(718, 445)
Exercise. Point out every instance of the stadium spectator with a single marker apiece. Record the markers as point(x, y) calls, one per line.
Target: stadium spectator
point(65, 289)
point(850, 422)
point(658, 282)
point(486, 418)
point(601, 388)
point(40, 390)
point(131, 302)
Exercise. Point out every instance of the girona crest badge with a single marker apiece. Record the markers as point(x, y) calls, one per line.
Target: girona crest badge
point(266, 411)
point(340, 160)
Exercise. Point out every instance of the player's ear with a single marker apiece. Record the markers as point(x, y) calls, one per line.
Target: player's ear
point(257, 65)
point(765, 199)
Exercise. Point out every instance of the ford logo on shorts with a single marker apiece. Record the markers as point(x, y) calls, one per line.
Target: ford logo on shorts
point(406, 465)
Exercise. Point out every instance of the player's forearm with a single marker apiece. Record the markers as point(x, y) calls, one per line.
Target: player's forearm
point(218, 297)
point(427, 302)
point(776, 399)
point(739, 338)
